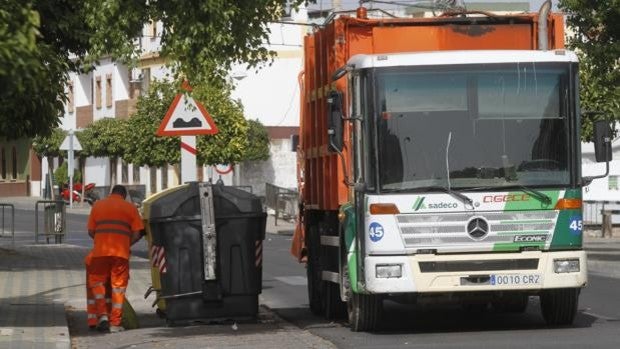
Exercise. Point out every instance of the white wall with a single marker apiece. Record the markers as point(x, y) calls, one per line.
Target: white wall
point(598, 190)
point(271, 94)
point(101, 71)
point(97, 171)
point(280, 169)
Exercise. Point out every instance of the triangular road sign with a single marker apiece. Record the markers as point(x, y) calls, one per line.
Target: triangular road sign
point(65, 143)
point(186, 117)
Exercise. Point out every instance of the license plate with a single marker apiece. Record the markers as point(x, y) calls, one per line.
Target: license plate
point(515, 279)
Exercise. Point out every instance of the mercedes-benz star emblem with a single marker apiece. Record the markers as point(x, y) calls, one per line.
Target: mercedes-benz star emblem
point(477, 228)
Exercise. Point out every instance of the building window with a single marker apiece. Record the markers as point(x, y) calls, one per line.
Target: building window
point(108, 90)
point(3, 164)
point(136, 174)
point(14, 163)
point(613, 182)
point(70, 98)
point(98, 92)
point(152, 30)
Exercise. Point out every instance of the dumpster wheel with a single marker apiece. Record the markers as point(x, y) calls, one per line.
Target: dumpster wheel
point(160, 313)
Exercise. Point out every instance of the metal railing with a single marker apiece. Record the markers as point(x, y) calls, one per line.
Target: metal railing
point(593, 211)
point(282, 200)
point(54, 220)
point(4, 230)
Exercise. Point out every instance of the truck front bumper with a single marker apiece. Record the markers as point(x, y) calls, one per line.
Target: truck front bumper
point(427, 273)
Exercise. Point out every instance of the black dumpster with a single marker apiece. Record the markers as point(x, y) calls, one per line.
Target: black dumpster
point(209, 269)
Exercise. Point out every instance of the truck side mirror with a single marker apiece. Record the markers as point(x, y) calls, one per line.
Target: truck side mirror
point(602, 148)
point(335, 129)
point(602, 141)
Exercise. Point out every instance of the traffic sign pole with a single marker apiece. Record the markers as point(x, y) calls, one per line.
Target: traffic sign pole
point(70, 168)
point(188, 159)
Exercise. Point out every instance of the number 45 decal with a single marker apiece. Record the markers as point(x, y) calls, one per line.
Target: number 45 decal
point(576, 225)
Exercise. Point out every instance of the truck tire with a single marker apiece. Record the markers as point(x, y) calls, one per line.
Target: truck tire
point(364, 311)
point(559, 306)
point(313, 272)
point(335, 308)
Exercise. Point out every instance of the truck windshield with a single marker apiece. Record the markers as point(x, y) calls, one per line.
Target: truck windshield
point(472, 126)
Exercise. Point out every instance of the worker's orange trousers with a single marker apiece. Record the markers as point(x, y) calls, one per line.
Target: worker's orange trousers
point(91, 308)
point(116, 270)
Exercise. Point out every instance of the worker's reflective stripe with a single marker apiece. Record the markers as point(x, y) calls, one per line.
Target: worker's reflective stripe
point(92, 316)
point(117, 305)
point(90, 301)
point(99, 296)
point(97, 284)
point(114, 221)
point(112, 231)
point(119, 290)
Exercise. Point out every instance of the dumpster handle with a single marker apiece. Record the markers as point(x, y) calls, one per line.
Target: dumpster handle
point(180, 295)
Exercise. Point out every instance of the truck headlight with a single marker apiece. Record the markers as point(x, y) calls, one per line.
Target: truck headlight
point(386, 271)
point(566, 265)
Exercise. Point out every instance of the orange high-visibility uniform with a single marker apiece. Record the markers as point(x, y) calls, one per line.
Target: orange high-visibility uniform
point(114, 222)
point(91, 309)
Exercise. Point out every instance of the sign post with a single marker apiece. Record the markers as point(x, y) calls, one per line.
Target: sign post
point(70, 145)
point(187, 118)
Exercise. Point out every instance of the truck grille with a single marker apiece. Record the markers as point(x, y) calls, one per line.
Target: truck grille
point(449, 230)
point(482, 265)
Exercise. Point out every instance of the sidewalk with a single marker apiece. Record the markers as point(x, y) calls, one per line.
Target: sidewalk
point(43, 306)
point(29, 203)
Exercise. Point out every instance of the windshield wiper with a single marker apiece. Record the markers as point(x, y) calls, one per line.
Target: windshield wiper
point(536, 194)
point(462, 197)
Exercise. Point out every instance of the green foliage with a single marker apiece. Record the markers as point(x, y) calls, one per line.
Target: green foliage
point(142, 146)
point(229, 145)
point(49, 145)
point(203, 38)
point(104, 138)
point(597, 40)
point(32, 73)
point(258, 142)
point(61, 176)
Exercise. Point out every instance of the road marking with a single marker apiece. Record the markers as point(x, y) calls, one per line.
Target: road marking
point(292, 280)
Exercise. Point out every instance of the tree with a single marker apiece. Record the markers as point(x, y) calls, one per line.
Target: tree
point(142, 146)
point(105, 138)
point(49, 146)
point(229, 145)
point(258, 142)
point(596, 38)
point(30, 104)
point(42, 40)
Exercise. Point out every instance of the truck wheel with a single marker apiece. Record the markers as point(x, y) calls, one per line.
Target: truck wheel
point(313, 272)
point(559, 306)
point(511, 304)
point(364, 311)
point(335, 308)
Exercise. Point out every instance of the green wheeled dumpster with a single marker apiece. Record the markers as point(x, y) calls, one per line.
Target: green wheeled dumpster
point(206, 252)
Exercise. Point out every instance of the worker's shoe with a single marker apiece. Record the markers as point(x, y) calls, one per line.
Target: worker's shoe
point(115, 329)
point(103, 325)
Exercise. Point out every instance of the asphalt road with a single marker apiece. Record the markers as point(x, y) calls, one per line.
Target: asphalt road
point(409, 326)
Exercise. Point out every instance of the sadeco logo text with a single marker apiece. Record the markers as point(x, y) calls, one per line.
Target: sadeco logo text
point(420, 205)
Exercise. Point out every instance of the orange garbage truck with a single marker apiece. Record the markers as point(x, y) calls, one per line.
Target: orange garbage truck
point(439, 159)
